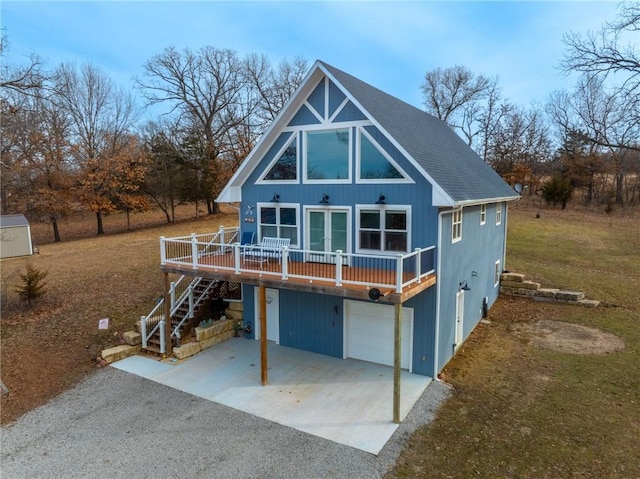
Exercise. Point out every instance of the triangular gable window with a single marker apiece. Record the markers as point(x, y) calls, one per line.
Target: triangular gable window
point(374, 165)
point(286, 166)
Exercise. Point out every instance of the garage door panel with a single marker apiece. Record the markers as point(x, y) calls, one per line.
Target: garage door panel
point(369, 330)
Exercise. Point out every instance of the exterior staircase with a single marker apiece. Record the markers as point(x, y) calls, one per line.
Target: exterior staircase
point(187, 310)
point(190, 298)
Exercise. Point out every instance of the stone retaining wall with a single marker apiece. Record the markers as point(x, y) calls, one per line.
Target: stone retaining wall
point(207, 337)
point(514, 284)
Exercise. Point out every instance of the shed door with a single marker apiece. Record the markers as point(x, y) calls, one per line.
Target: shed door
point(368, 333)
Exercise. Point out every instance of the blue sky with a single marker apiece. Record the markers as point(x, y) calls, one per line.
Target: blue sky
point(390, 45)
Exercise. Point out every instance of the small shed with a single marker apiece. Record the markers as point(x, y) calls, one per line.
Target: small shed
point(15, 236)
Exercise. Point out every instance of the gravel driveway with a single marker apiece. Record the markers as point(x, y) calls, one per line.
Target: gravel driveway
point(119, 425)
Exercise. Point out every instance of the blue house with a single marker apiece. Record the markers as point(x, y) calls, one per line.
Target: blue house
point(368, 229)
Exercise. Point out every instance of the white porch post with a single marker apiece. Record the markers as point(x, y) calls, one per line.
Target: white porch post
point(163, 252)
point(338, 267)
point(285, 262)
point(418, 263)
point(236, 257)
point(399, 274)
point(194, 250)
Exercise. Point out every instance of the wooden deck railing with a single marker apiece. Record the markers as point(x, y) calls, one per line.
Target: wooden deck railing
point(338, 268)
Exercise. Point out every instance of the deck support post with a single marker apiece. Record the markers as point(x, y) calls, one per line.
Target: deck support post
point(397, 357)
point(167, 315)
point(263, 334)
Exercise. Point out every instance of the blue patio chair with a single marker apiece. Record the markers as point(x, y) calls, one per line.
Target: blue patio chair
point(248, 238)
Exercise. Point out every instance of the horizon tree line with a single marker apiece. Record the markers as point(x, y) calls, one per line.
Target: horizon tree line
point(73, 140)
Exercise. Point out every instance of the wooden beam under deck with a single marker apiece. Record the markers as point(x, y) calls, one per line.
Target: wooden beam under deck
point(347, 291)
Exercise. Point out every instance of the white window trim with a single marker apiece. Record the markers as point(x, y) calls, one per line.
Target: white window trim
point(405, 177)
point(382, 208)
point(454, 238)
point(306, 180)
point(498, 214)
point(496, 274)
point(277, 206)
point(262, 181)
point(483, 214)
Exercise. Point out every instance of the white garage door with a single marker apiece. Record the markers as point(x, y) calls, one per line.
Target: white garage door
point(368, 333)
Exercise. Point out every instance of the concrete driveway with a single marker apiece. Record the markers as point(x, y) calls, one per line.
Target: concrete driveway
point(120, 425)
point(346, 401)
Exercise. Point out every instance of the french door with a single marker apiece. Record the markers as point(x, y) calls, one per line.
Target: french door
point(327, 232)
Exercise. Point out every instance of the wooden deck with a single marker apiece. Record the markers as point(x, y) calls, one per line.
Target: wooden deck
point(269, 273)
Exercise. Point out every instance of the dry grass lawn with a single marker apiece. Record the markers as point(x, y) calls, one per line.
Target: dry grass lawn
point(522, 410)
point(49, 348)
point(518, 409)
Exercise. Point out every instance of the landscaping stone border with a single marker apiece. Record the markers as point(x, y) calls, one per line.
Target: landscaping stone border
point(514, 284)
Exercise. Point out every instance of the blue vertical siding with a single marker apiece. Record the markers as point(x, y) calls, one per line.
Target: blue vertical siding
point(424, 326)
point(311, 322)
point(349, 113)
point(317, 97)
point(336, 97)
point(304, 117)
point(459, 261)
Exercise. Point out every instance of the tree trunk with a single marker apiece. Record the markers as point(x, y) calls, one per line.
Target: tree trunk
point(128, 219)
point(99, 221)
point(619, 188)
point(173, 211)
point(56, 232)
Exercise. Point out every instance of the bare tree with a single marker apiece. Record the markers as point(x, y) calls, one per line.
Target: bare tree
point(25, 79)
point(205, 87)
point(101, 117)
point(458, 97)
point(274, 86)
point(608, 62)
point(604, 118)
point(520, 139)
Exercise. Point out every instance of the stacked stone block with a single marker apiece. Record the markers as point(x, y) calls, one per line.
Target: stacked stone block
point(514, 284)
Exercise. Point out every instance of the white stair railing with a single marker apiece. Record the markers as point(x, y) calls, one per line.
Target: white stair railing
point(193, 299)
point(180, 291)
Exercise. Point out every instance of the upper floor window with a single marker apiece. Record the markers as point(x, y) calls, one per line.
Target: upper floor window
point(328, 156)
point(483, 214)
point(456, 226)
point(498, 213)
point(383, 230)
point(279, 221)
point(286, 166)
point(373, 163)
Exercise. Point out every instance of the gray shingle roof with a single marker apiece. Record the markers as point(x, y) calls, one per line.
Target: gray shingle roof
point(8, 221)
point(443, 155)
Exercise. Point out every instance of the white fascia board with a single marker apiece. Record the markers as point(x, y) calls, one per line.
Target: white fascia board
point(486, 201)
point(231, 194)
point(440, 197)
point(249, 164)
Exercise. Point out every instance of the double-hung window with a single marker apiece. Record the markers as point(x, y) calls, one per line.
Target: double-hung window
point(456, 226)
point(483, 214)
point(279, 221)
point(498, 213)
point(384, 230)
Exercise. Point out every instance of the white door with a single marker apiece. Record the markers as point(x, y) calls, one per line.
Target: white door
point(327, 231)
point(459, 318)
point(273, 314)
point(369, 333)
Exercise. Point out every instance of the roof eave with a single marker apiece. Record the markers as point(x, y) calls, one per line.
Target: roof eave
point(486, 201)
